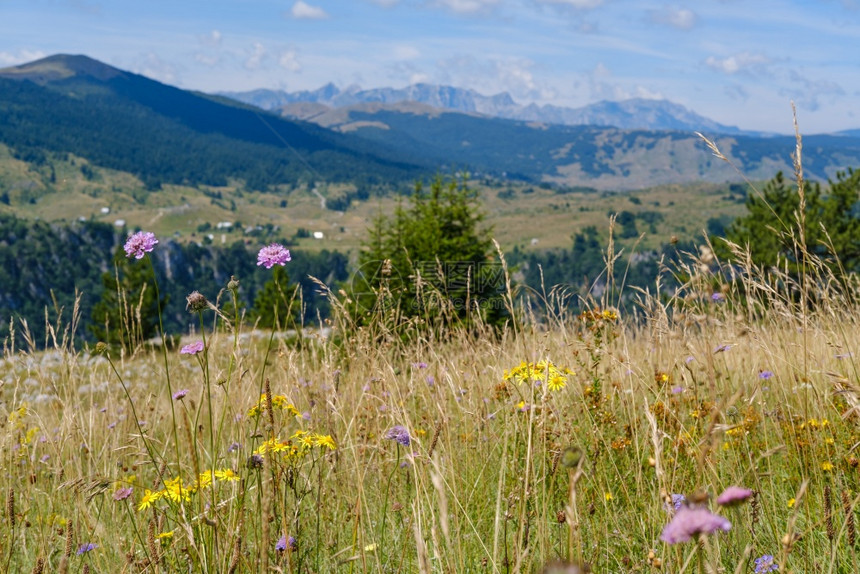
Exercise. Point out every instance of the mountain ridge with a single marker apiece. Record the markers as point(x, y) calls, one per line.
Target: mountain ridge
point(162, 134)
point(633, 113)
point(125, 121)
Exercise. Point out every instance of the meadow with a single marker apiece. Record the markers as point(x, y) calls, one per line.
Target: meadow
point(606, 440)
point(710, 427)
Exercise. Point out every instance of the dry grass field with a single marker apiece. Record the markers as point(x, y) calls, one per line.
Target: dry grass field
point(601, 440)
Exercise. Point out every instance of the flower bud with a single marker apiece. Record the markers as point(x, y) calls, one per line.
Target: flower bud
point(196, 302)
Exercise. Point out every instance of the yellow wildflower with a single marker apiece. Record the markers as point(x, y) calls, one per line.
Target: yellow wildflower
point(28, 438)
point(148, 498)
point(607, 496)
point(791, 502)
point(826, 466)
point(325, 441)
point(226, 474)
point(165, 535)
point(543, 371)
point(272, 445)
point(204, 480)
point(279, 402)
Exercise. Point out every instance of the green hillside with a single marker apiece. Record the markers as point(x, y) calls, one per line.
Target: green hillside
point(161, 134)
point(600, 157)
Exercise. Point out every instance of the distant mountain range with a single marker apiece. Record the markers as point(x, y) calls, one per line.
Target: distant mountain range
point(587, 155)
point(637, 113)
point(162, 134)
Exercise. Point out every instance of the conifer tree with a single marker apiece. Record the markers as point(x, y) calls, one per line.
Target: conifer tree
point(127, 313)
point(431, 259)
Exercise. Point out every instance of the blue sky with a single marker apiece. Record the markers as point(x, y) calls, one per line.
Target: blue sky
point(740, 62)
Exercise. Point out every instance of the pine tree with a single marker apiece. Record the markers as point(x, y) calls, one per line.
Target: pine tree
point(831, 223)
point(431, 259)
point(127, 313)
point(276, 304)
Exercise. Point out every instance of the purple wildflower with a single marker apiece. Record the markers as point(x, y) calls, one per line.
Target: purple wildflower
point(122, 493)
point(140, 244)
point(677, 390)
point(274, 254)
point(285, 542)
point(399, 434)
point(431, 380)
point(722, 348)
point(84, 548)
point(234, 447)
point(765, 564)
point(689, 522)
point(717, 297)
point(765, 375)
point(192, 349)
point(419, 365)
point(180, 394)
point(734, 495)
point(678, 501)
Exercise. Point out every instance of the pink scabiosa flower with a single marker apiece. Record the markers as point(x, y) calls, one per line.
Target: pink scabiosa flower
point(140, 244)
point(192, 349)
point(734, 495)
point(274, 254)
point(690, 522)
point(123, 493)
point(180, 394)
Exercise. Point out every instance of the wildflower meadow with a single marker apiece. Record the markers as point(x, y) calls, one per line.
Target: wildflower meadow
point(708, 429)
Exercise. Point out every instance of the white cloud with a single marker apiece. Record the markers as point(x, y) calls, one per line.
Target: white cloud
point(680, 18)
point(738, 63)
point(255, 60)
point(213, 38)
point(20, 57)
point(289, 61)
point(492, 75)
point(404, 52)
point(210, 44)
point(207, 59)
point(808, 93)
point(154, 67)
point(467, 6)
point(581, 4)
point(304, 11)
point(603, 86)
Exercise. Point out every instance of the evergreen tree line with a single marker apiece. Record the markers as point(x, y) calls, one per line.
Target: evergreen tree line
point(43, 266)
point(431, 263)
